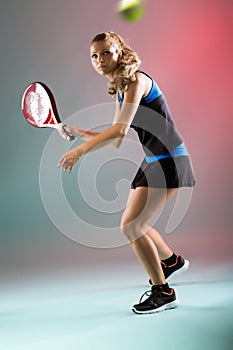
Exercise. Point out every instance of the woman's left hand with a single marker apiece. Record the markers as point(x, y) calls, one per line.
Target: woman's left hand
point(69, 159)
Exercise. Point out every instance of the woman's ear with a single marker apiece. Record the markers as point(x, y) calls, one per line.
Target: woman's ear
point(120, 54)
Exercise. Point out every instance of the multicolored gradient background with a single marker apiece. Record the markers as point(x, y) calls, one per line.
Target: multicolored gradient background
point(187, 47)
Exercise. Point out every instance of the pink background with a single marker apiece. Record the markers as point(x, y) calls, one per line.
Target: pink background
point(185, 45)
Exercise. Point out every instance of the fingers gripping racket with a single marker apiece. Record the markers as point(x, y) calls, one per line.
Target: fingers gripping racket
point(39, 108)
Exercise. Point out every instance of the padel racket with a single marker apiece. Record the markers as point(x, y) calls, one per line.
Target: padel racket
point(39, 108)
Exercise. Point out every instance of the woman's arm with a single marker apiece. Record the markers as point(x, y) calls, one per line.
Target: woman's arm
point(114, 134)
point(122, 119)
point(104, 138)
point(83, 134)
point(87, 135)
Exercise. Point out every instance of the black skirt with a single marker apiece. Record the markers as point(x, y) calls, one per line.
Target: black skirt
point(165, 173)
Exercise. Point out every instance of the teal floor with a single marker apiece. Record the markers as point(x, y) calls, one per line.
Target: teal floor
point(93, 312)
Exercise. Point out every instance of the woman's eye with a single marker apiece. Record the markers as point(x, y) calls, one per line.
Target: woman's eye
point(105, 53)
point(94, 56)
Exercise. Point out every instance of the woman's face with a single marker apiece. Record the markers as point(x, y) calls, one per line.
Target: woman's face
point(104, 57)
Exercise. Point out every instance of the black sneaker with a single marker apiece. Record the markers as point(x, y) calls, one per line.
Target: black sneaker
point(170, 271)
point(158, 301)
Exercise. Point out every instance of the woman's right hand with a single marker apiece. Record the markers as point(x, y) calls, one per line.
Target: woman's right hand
point(71, 130)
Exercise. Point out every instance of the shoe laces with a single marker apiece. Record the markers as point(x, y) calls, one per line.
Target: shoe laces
point(149, 293)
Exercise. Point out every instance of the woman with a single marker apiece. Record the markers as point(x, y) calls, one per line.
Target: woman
point(164, 170)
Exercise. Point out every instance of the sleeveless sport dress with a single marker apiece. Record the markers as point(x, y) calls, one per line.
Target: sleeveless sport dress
point(167, 163)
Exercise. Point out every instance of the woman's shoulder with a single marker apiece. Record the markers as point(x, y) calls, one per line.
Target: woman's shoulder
point(144, 79)
point(142, 73)
point(153, 90)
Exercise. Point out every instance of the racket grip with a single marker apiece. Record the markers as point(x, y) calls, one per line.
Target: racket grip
point(70, 136)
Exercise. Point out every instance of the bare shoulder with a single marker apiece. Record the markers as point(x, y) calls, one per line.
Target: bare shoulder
point(138, 89)
point(145, 81)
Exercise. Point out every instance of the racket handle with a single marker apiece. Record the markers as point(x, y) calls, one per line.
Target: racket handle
point(70, 136)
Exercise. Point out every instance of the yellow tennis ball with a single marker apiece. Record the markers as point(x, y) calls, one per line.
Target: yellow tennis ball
point(131, 10)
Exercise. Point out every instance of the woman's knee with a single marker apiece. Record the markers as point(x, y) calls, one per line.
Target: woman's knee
point(131, 228)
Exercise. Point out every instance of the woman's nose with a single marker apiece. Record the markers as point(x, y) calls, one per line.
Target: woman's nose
point(100, 58)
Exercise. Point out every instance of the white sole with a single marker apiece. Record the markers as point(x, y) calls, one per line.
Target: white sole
point(181, 270)
point(168, 306)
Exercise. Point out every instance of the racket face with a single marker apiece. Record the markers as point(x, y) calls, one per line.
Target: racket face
point(39, 107)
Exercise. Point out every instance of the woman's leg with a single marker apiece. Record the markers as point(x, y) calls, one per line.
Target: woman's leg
point(164, 250)
point(144, 203)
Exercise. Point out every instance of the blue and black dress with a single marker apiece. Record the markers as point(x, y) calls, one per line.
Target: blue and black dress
point(167, 163)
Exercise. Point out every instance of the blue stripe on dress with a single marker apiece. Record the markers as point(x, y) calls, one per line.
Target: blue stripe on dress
point(154, 92)
point(179, 151)
point(120, 99)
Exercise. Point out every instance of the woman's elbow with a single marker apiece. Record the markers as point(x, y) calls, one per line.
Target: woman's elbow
point(120, 134)
point(122, 130)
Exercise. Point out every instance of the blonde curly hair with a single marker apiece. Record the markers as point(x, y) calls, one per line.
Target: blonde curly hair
point(124, 74)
